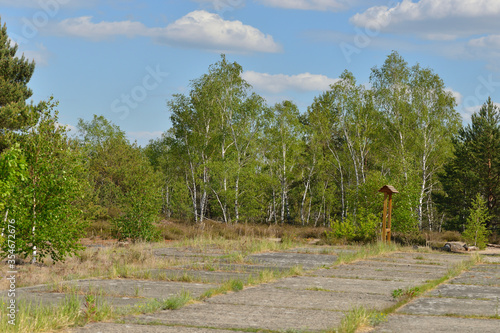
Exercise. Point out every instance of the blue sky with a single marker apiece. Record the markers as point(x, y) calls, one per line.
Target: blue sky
point(125, 59)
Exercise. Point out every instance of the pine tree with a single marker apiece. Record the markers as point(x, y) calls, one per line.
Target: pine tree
point(15, 73)
point(475, 168)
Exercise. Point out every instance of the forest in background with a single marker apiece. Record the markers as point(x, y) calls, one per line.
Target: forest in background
point(230, 157)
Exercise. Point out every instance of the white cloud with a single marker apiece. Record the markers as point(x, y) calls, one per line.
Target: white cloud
point(488, 48)
point(198, 29)
point(321, 5)
point(458, 96)
point(277, 83)
point(41, 55)
point(222, 4)
point(468, 111)
point(202, 29)
point(84, 28)
point(70, 128)
point(491, 42)
point(431, 19)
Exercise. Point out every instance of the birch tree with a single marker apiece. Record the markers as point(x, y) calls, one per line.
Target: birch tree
point(419, 121)
point(49, 203)
point(285, 133)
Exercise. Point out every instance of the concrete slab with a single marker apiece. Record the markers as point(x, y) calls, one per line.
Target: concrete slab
point(486, 275)
point(251, 268)
point(320, 250)
point(46, 299)
point(378, 271)
point(314, 302)
point(419, 324)
point(132, 288)
point(198, 275)
point(229, 316)
point(416, 257)
point(285, 259)
point(133, 328)
point(344, 285)
point(466, 291)
point(450, 306)
point(418, 265)
point(273, 296)
point(495, 259)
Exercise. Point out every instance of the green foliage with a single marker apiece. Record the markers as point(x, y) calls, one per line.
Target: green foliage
point(361, 227)
point(226, 147)
point(404, 213)
point(475, 232)
point(407, 293)
point(176, 302)
point(473, 169)
point(214, 131)
point(359, 317)
point(12, 173)
point(15, 74)
point(126, 188)
point(47, 206)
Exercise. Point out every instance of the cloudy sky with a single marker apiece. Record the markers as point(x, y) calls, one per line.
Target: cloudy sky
point(125, 58)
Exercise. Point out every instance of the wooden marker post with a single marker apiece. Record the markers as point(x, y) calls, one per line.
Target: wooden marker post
point(388, 190)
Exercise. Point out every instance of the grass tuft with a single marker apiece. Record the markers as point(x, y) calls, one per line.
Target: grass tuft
point(358, 318)
point(177, 301)
point(370, 250)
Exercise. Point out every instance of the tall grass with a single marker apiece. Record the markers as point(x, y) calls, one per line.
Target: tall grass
point(32, 318)
point(244, 245)
point(370, 250)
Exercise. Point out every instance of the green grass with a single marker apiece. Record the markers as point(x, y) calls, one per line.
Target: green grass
point(407, 295)
point(370, 250)
point(359, 317)
point(177, 302)
point(33, 318)
point(38, 318)
point(264, 276)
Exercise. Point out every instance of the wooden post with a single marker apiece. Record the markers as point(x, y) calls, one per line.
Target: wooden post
point(384, 230)
point(387, 217)
point(389, 220)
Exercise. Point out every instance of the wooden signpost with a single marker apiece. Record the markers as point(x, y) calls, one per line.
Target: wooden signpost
point(388, 190)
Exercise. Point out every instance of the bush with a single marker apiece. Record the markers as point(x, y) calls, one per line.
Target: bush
point(360, 228)
point(475, 230)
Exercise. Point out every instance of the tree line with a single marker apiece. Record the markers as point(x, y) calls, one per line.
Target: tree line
point(232, 158)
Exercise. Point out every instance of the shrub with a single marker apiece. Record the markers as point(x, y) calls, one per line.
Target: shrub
point(361, 227)
point(475, 230)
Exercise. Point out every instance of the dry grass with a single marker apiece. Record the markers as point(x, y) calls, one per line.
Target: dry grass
point(208, 229)
point(118, 260)
point(111, 262)
point(233, 242)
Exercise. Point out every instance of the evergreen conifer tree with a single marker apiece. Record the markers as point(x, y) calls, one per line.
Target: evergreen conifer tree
point(15, 73)
point(474, 169)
